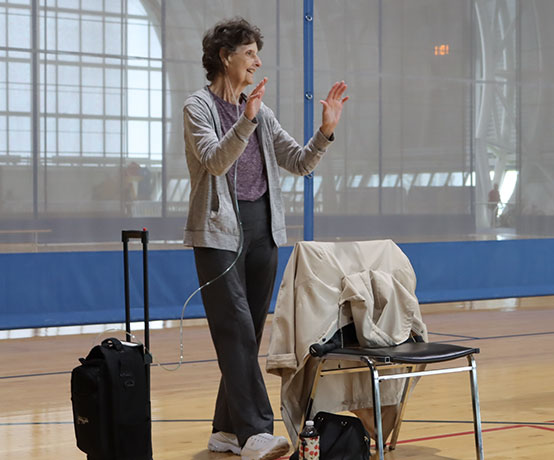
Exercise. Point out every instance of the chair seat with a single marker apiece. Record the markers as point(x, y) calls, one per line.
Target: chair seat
point(410, 353)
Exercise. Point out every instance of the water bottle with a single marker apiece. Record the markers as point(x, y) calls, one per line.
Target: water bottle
point(309, 442)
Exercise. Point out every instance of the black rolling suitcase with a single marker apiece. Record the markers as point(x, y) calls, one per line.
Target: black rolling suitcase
point(110, 390)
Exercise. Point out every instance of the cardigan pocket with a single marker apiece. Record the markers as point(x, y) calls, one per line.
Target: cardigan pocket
point(223, 221)
point(222, 216)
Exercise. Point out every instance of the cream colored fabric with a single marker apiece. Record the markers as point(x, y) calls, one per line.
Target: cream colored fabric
point(384, 306)
point(327, 286)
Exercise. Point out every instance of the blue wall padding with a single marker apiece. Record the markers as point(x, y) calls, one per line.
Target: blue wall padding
point(54, 289)
point(472, 270)
point(64, 288)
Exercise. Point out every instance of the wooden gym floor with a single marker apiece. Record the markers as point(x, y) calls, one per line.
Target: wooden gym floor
point(515, 369)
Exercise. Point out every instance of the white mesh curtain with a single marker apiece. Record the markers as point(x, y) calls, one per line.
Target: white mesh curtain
point(403, 160)
point(533, 204)
point(91, 109)
point(82, 85)
point(448, 97)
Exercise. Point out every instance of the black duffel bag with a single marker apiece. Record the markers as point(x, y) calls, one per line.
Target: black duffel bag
point(111, 403)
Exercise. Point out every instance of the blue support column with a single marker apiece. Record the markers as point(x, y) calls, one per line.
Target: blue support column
point(308, 114)
point(35, 133)
point(164, 109)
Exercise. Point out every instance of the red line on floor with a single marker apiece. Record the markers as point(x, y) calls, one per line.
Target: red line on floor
point(541, 427)
point(462, 433)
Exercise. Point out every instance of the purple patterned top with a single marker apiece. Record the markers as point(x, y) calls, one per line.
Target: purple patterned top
point(251, 177)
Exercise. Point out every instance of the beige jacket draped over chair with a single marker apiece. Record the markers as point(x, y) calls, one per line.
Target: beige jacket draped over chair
point(325, 287)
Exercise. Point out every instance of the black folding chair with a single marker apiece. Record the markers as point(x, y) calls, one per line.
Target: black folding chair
point(406, 356)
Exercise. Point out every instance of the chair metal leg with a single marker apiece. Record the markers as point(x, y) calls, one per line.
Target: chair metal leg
point(400, 414)
point(376, 409)
point(476, 408)
point(311, 398)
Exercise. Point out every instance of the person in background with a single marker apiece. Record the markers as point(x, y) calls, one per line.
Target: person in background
point(494, 200)
point(234, 147)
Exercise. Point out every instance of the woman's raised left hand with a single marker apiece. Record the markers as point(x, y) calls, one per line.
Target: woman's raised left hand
point(254, 100)
point(332, 108)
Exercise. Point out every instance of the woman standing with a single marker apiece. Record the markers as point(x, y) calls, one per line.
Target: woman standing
point(234, 147)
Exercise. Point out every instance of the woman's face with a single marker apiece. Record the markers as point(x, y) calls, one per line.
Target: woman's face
point(242, 64)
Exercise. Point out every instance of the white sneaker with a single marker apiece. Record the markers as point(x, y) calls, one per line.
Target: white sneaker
point(224, 442)
point(264, 446)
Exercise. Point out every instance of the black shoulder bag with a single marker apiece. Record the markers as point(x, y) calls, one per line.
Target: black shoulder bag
point(341, 437)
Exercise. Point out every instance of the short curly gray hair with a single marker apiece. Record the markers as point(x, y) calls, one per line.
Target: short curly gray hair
point(228, 34)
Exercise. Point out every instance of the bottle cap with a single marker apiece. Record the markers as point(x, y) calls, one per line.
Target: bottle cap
point(309, 423)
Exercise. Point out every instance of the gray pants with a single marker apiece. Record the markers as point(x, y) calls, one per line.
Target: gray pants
point(236, 307)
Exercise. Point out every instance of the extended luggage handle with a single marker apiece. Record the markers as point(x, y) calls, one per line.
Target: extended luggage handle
point(142, 235)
